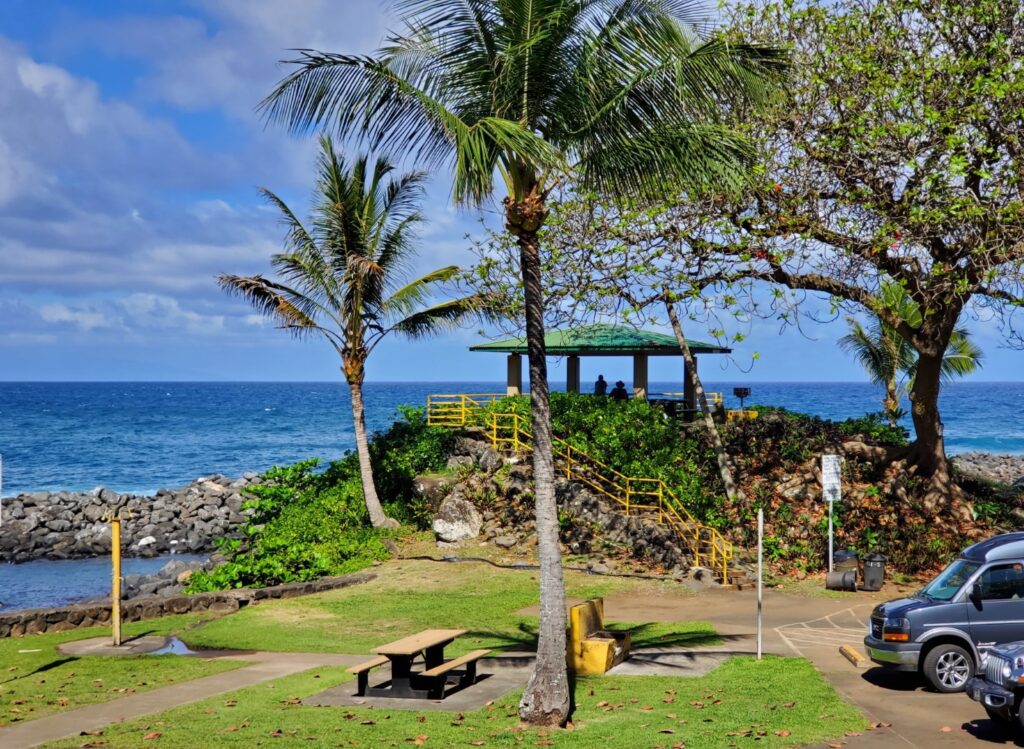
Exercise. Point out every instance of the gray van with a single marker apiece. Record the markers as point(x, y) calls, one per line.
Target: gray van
point(945, 630)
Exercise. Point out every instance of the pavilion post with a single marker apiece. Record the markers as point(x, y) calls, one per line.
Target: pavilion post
point(689, 391)
point(572, 374)
point(514, 384)
point(639, 375)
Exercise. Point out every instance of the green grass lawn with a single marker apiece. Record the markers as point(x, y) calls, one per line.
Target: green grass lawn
point(776, 703)
point(417, 595)
point(36, 680)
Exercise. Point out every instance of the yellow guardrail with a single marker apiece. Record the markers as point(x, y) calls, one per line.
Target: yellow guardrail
point(458, 409)
point(506, 432)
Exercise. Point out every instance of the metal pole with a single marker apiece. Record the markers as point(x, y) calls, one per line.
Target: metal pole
point(830, 534)
point(115, 595)
point(760, 574)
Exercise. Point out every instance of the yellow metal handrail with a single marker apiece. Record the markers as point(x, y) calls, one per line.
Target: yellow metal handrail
point(506, 432)
point(458, 409)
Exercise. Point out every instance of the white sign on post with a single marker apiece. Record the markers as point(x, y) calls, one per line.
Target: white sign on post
point(831, 487)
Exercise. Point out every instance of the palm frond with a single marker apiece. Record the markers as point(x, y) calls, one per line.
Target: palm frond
point(276, 301)
point(871, 352)
point(445, 316)
point(416, 292)
point(962, 356)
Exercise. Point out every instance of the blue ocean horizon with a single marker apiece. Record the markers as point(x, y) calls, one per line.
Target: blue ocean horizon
point(141, 436)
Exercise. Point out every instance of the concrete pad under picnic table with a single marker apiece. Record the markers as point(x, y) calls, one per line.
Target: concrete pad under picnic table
point(496, 677)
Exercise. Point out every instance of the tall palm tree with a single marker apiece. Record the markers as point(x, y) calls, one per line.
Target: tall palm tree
point(622, 96)
point(343, 278)
point(887, 357)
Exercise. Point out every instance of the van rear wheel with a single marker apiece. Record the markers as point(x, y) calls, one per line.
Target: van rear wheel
point(948, 667)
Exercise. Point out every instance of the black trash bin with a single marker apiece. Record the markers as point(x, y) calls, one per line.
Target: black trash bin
point(844, 560)
point(874, 571)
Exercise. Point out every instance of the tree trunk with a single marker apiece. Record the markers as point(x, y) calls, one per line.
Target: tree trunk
point(928, 453)
point(546, 698)
point(725, 467)
point(373, 506)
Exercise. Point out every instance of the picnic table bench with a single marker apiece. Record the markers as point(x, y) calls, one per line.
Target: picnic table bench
point(427, 684)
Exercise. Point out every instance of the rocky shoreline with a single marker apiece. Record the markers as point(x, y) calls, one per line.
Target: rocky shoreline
point(74, 525)
point(1001, 469)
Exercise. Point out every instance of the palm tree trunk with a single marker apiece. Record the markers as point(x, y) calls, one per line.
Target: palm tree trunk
point(892, 401)
point(373, 506)
point(546, 698)
point(725, 468)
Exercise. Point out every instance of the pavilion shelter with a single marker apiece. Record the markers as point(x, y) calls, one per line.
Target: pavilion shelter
point(601, 340)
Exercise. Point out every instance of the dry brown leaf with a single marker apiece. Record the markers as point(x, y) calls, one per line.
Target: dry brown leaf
point(152, 735)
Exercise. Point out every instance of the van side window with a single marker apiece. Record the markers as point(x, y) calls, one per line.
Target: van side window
point(1002, 582)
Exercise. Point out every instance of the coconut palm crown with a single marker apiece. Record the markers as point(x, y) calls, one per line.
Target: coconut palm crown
point(345, 278)
point(887, 357)
point(620, 96)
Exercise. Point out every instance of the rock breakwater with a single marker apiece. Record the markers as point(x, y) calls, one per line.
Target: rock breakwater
point(74, 525)
point(1001, 469)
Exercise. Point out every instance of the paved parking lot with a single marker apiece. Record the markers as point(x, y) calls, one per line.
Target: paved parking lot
point(815, 628)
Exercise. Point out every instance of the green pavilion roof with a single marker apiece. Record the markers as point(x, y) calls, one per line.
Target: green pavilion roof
point(603, 340)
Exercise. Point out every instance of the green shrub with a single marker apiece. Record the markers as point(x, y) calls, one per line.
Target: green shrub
point(875, 427)
point(303, 523)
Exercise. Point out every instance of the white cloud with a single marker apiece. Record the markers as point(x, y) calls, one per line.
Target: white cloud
point(82, 319)
point(133, 315)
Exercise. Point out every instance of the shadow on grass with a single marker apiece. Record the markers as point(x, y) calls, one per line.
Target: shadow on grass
point(56, 663)
point(650, 635)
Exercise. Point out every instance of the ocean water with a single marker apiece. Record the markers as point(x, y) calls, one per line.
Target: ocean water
point(53, 583)
point(138, 437)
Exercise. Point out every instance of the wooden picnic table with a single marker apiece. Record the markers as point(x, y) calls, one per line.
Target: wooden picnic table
point(401, 653)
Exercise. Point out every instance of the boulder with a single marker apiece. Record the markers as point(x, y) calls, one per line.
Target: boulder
point(490, 460)
point(432, 488)
point(457, 520)
point(506, 542)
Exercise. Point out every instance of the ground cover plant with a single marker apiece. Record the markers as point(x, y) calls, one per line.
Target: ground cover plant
point(306, 523)
point(37, 680)
point(779, 702)
point(416, 595)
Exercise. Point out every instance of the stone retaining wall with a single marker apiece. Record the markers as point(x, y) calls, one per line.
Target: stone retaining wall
point(71, 525)
point(37, 621)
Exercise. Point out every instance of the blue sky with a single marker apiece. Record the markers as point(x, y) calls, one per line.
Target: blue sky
point(130, 158)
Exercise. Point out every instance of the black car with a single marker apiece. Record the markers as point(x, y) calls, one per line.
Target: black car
point(945, 630)
point(1000, 685)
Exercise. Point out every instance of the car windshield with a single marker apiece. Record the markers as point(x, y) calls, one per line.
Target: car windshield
point(945, 586)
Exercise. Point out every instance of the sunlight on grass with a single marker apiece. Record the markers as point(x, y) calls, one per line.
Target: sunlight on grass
point(414, 596)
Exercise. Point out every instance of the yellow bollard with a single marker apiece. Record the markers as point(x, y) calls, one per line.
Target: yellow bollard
point(115, 595)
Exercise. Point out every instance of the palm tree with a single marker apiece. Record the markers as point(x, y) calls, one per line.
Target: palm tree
point(343, 277)
point(621, 96)
point(887, 357)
